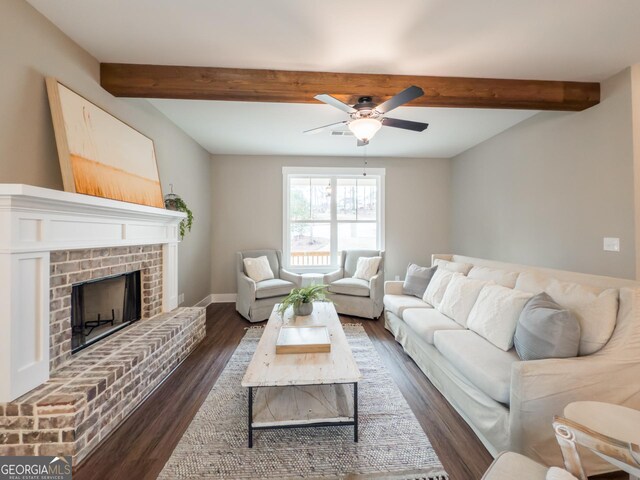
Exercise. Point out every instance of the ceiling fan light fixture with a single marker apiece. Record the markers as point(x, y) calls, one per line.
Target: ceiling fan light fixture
point(365, 128)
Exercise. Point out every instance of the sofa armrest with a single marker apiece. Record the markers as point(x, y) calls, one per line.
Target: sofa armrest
point(544, 380)
point(291, 277)
point(541, 389)
point(246, 284)
point(331, 277)
point(393, 287)
point(246, 294)
point(376, 286)
point(376, 293)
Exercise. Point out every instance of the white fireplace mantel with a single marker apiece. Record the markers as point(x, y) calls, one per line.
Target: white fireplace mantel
point(35, 221)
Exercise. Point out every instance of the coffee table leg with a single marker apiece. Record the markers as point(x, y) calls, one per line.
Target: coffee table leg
point(250, 417)
point(355, 411)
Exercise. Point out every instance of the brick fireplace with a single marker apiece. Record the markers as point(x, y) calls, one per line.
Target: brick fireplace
point(53, 402)
point(91, 394)
point(69, 267)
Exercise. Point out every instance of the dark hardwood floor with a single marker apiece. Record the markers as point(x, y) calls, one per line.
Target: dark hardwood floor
point(139, 448)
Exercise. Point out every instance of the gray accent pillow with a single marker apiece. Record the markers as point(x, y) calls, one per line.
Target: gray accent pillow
point(546, 330)
point(417, 279)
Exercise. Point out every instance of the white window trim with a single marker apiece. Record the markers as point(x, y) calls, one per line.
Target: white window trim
point(288, 172)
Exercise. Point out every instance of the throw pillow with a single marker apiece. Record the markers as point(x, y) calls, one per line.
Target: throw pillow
point(460, 297)
point(546, 330)
point(437, 286)
point(462, 268)
point(417, 279)
point(495, 314)
point(532, 282)
point(258, 269)
point(501, 277)
point(367, 267)
point(595, 308)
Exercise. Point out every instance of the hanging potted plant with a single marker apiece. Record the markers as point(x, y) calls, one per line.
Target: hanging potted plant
point(301, 299)
point(176, 203)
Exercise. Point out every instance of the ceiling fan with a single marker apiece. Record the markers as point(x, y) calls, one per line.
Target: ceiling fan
point(367, 118)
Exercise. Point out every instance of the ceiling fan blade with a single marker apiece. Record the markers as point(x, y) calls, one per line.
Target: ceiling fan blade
point(334, 102)
point(362, 143)
point(405, 124)
point(401, 98)
point(320, 129)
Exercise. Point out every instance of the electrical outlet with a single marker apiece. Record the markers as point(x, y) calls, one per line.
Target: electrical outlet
point(397, 278)
point(181, 299)
point(611, 244)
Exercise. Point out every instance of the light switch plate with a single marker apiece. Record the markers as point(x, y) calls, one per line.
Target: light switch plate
point(611, 244)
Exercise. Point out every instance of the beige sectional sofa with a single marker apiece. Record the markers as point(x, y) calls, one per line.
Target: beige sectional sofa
point(510, 403)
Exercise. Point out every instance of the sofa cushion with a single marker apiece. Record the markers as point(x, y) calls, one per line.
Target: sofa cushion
point(273, 288)
point(479, 361)
point(417, 279)
point(546, 330)
point(495, 314)
point(426, 321)
point(501, 277)
point(397, 304)
point(350, 286)
point(460, 297)
point(437, 286)
point(462, 268)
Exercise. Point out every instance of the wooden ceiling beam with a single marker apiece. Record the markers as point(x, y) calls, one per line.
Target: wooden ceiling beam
point(248, 85)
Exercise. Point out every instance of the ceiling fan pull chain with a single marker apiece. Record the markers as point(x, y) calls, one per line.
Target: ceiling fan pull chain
point(364, 169)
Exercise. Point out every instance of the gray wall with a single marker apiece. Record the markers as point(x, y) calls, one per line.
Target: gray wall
point(247, 209)
point(31, 48)
point(546, 191)
point(635, 94)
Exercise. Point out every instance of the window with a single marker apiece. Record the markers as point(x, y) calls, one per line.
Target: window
point(328, 210)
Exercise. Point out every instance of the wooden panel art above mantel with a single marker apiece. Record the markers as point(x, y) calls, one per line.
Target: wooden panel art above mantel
point(233, 84)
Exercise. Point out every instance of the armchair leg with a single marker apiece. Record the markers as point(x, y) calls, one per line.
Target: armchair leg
point(570, 454)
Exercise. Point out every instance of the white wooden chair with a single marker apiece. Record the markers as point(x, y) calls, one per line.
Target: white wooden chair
point(610, 431)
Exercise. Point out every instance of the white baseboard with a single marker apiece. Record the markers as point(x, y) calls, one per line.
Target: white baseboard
point(216, 298)
point(205, 302)
point(223, 297)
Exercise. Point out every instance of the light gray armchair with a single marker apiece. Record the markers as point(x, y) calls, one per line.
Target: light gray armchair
point(255, 300)
point(354, 296)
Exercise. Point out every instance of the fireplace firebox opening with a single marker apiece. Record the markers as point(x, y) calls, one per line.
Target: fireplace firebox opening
point(103, 306)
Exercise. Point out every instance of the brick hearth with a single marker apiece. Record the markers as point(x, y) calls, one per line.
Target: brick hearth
point(52, 402)
point(74, 266)
point(90, 396)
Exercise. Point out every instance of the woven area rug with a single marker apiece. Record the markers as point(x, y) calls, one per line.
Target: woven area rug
point(392, 445)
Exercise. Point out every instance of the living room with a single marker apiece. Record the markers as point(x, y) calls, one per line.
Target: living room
point(526, 178)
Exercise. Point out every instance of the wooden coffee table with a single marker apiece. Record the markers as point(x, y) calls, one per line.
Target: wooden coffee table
point(306, 389)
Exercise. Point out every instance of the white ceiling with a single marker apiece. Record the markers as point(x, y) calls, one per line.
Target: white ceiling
point(276, 129)
point(583, 40)
point(543, 39)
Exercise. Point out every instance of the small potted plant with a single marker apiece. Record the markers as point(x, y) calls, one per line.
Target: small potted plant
point(302, 299)
point(174, 202)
